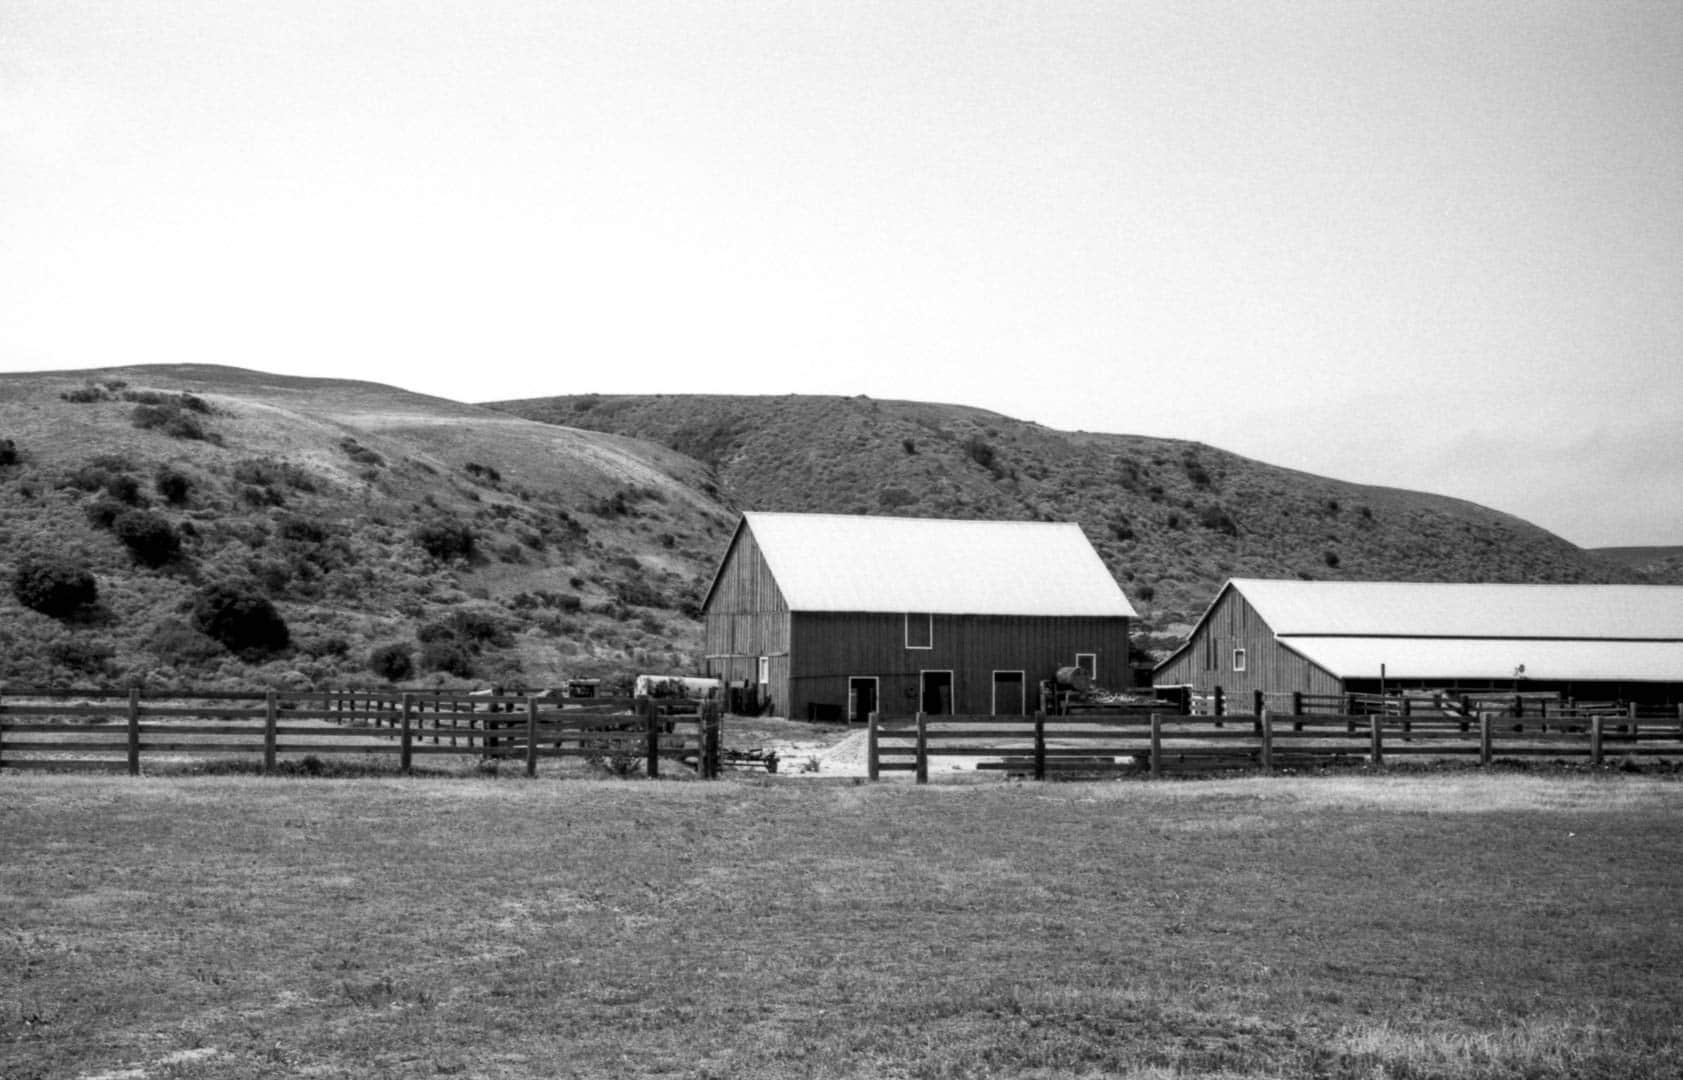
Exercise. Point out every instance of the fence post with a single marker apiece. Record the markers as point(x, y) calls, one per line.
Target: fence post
point(134, 731)
point(1350, 714)
point(1156, 762)
point(871, 770)
point(1595, 739)
point(922, 748)
point(269, 718)
point(1297, 709)
point(531, 736)
point(407, 741)
point(1630, 713)
point(1484, 747)
point(1375, 722)
point(2, 730)
point(653, 767)
point(1040, 746)
point(1266, 722)
point(1219, 706)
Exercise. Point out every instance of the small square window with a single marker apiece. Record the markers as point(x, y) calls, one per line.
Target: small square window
point(920, 630)
point(1238, 659)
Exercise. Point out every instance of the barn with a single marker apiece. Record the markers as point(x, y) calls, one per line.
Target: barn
point(831, 616)
point(1586, 642)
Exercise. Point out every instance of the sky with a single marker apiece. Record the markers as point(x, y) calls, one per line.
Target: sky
point(1432, 245)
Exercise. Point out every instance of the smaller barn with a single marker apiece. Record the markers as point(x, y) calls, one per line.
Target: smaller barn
point(1584, 642)
point(831, 616)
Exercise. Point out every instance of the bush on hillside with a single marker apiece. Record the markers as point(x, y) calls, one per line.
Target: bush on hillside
point(446, 540)
point(447, 657)
point(241, 618)
point(151, 539)
point(173, 485)
point(8, 452)
point(392, 662)
point(54, 586)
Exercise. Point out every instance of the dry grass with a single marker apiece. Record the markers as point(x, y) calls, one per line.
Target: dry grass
point(1456, 928)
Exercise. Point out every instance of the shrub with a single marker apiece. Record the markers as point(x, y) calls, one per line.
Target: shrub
point(446, 540)
point(360, 453)
point(1144, 593)
point(1214, 517)
point(448, 657)
point(982, 453)
point(54, 586)
point(88, 658)
point(238, 615)
point(483, 472)
point(104, 511)
point(892, 498)
point(84, 395)
point(1331, 558)
point(173, 485)
point(392, 662)
point(169, 418)
point(302, 530)
point(152, 540)
point(125, 489)
point(8, 452)
point(176, 644)
point(1196, 472)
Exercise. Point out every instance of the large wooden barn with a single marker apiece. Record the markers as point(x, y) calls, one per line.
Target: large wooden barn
point(834, 616)
point(1590, 642)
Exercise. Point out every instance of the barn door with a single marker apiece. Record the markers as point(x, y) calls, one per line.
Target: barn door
point(861, 698)
point(938, 693)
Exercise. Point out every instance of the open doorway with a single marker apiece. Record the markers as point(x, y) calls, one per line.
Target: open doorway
point(937, 693)
point(861, 698)
point(1009, 698)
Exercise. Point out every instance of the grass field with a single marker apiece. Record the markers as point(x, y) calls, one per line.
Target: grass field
point(1449, 926)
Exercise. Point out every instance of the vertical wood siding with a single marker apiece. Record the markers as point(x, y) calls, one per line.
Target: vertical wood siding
point(746, 618)
point(1207, 661)
point(826, 648)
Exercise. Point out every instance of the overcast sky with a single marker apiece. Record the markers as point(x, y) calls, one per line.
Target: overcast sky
point(1431, 245)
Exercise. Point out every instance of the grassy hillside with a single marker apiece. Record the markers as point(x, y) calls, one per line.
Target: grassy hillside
point(1661, 565)
point(193, 524)
point(478, 545)
point(1172, 519)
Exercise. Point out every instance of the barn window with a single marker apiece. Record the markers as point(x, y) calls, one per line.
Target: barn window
point(1088, 662)
point(920, 630)
point(1238, 659)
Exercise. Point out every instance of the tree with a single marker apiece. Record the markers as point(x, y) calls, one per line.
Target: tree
point(238, 615)
point(54, 586)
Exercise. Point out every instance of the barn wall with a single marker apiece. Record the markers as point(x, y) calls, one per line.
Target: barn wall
point(1208, 660)
point(827, 648)
point(746, 618)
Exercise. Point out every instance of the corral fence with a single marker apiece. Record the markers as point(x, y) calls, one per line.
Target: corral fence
point(119, 730)
point(1147, 741)
point(1518, 704)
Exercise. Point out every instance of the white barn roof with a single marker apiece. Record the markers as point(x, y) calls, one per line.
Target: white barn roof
point(1555, 659)
point(1409, 609)
point(840, 562)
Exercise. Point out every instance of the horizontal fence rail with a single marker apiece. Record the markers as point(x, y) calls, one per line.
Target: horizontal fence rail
point(117, 730)
point(1135, 741)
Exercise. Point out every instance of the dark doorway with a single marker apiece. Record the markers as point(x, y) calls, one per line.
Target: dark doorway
point(1008, 698)
point(938, 693)
point(861, 698)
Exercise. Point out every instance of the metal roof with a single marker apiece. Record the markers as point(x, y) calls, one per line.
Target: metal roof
point(1435, 610)
point(841, 562)
point(1493, 658)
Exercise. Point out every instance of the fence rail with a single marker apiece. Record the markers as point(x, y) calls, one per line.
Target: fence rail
point(1098, 743)
point(107, 730)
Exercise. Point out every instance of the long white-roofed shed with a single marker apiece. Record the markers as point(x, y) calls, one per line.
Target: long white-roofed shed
point(1328, 637)
point(831, 616)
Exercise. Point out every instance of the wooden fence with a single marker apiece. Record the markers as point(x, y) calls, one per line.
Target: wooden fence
point(1521, 705)
point(1154, 743)
point(117, 730)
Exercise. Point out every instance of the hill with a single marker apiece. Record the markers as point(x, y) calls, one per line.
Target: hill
point(1172, 519)
point(358, 531)
point(1661, 565)
point(476, 545)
